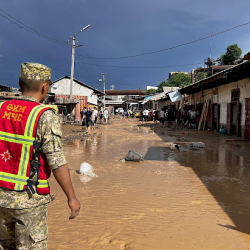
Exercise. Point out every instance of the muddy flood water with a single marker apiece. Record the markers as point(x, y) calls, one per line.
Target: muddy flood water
point(177, 198)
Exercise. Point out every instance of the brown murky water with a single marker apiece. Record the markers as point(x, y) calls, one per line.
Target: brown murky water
point(175, 199)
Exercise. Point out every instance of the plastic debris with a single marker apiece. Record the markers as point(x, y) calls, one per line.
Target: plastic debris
point(174, 146)
point(87, 169)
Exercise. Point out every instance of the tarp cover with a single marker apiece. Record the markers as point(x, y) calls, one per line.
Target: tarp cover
point(175, 96)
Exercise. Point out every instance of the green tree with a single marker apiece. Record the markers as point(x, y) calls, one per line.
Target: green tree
point(200, 74)
point(151, 91)
point(177, 80)
point(232, 55)
point(162, 84)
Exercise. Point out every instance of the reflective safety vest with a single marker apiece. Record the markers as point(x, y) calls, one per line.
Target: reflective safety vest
point(20, 154)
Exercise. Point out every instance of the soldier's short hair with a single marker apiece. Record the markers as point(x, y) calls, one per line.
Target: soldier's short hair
point(32, 75)
point(30, 85)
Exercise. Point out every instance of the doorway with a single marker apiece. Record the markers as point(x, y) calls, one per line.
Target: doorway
point(247, 120)
point(233, 118)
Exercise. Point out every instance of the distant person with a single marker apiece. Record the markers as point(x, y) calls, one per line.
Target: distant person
point(106, 115)
point(146, 114)
point(162, 116)
point(143, 114)
point(123, 115)
point(81, 113)
point(153, 112)
point(95, 115)
point(100, 116)
point(178, 117)
point(64, 113)
point(188, 123)
point(167, 115)
point(83, 116)
point(184, 115)
point(156, 116)
point(89, 122)
point(193, 118)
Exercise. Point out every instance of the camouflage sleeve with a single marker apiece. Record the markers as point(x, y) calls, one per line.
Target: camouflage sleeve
point(49, 133)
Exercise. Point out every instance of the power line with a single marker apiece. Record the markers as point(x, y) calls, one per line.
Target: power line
point(141, 67)
point(137, 83)
point(86, 67)
point(28, 29)
point(174, 47)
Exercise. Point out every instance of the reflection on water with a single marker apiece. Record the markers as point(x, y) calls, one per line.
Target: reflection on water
point(85, 178)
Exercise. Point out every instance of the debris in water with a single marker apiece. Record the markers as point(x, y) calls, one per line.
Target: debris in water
point(174, 146)
point(134, 156)
point(87, 169)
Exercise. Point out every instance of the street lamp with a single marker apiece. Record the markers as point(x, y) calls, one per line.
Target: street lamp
point(73, 59)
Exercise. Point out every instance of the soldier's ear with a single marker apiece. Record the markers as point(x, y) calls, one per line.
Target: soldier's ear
point(45, 88)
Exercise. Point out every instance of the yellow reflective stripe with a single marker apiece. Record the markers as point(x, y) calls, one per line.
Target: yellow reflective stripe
point(39, 186)
point(43, 184)
point(23, 164)
point(24, 178)
point(43, 181)
point(16, 138)
point(31, 120)
point(13, 178)
point(12, 181)
point(1, 104)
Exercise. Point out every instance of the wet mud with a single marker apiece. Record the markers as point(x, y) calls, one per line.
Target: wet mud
point(177, 198)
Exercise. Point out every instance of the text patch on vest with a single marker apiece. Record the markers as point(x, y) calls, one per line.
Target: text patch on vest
point(14, 112)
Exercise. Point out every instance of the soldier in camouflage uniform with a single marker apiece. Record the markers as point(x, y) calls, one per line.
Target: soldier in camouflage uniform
point(23, 215)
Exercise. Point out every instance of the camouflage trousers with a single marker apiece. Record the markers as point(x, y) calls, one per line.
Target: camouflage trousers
point(23, 229)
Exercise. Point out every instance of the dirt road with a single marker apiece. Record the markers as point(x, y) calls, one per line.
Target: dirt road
point(175, 199)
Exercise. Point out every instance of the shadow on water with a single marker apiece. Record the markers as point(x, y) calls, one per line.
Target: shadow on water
point(223, 169)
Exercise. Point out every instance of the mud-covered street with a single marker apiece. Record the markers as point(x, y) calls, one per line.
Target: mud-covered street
point(177, 198)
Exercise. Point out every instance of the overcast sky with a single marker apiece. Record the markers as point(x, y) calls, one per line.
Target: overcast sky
point(118, 29)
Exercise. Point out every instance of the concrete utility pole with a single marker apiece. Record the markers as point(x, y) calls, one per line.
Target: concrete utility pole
point(103, 80)
point(73, 59)
point(72, 67)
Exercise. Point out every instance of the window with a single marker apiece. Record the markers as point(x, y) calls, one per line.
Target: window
point(235, 95)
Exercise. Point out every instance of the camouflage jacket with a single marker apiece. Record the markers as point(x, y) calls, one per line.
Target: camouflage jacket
point(49, 132)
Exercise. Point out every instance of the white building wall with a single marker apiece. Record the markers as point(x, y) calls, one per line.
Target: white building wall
point(225, 97)
point(62, 87)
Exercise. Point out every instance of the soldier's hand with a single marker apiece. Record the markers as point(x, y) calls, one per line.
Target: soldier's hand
point(75, 206)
